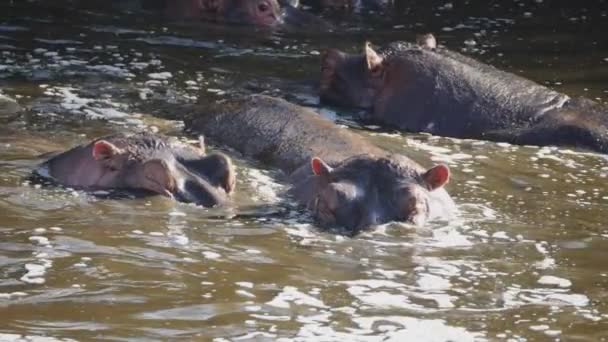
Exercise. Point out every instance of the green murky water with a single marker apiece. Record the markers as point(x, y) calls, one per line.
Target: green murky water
point(523, 260)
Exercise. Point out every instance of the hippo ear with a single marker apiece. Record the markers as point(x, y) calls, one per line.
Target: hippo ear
point(104, 150)
point(436, 177)
point(426, 41)
point(374, 61)
point(320, 168)
point(158, 178)
point(219, 170)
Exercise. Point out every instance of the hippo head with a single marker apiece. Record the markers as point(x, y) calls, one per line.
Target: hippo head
point(147, 162)
point(252, 12)
point(351, 80)
point(363, 191)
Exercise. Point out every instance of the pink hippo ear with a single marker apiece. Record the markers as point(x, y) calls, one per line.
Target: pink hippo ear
point(426, 41)
point(374, 61)
point(436, 177)
point(104, 150)
point(319, 167)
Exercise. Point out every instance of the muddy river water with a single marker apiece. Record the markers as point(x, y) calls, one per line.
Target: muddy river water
point(524, 259)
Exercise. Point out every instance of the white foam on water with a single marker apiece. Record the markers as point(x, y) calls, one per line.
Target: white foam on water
point(501, 236)
point(555, 281)
point(430, 282)
point(266, 189)
point(245, 284)
point(389, 274)
point(40, 240)
point(211, 255)
point(244, 293)
point(448, 237)
point(271, 317)
point(254, 336)
point(179, 239)
point(373, 283)
point(516, 297)
point(35, 274)
point(31, 338)
point(10, 295)
point(291, 295)
point(548, 262)
point(111, 70)
point(99, 108)
point(384, 299)
point(540, 327)
point(553, 333)
point(177, 41)
point(414, 329)
point(104, 113)
point(386, 328)
point(165, 75)
point(573, 299)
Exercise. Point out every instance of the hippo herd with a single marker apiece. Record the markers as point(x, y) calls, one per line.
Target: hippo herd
point(343, 179)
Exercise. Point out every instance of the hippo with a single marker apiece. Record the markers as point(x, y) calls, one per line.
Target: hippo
point(266, 13)
point(148, 162)
point(261, 13)
point(424, 87)
point(343, 179)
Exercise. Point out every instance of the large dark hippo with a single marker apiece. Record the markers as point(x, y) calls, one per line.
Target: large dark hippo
point(425, 88)
point(145, 162)
point(340, 176)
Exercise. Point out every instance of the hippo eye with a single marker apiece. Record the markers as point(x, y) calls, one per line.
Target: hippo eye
point(263, 7)
point(416, 210)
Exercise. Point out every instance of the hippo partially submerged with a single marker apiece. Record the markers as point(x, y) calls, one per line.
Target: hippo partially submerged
point(340, 176)
point(260, 13)
point(425, 88)
point(145, 162)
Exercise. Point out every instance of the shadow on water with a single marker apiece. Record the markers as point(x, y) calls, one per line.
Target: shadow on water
point(522, 260)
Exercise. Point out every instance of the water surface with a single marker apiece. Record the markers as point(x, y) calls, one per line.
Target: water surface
point(523, 259)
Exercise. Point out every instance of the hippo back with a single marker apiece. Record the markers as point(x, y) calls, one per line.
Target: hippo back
point(444, 92)
point(277, 132)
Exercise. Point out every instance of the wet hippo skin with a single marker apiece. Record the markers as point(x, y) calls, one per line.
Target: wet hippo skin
point(425, 88)
point(146, 162)
point(341, 177)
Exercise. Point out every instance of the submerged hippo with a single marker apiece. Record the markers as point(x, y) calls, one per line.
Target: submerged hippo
point(263, 13)
point(146, 162)
point(425, 88)
point(341, 177)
